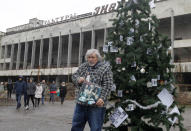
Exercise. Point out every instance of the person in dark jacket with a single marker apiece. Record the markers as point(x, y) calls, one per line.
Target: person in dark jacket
point(19, 89)
point(9, 88)
point(31, 88)
point(52, 91)
point(63, 91)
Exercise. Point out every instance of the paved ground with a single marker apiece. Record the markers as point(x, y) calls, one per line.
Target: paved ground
point(49, 117)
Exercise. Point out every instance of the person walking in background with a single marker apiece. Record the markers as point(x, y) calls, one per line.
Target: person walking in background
point(63, 91)
point(1, 87)
point(25, 93)
point(5, 85)
point(52, 91)
point(38, 94)
point(9, 88)
point(44, 87)
point(19, 89)
point(100, 76)
point(31, 88)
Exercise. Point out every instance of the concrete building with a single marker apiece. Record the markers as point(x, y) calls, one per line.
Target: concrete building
point(53, 49)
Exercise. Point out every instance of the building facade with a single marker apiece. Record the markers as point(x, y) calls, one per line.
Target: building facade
point(54, 49)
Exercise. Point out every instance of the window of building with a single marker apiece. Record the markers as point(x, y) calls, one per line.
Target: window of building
point(182, 54)
point(183, 81)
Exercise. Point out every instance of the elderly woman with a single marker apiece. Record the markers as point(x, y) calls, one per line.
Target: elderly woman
point(93, 81)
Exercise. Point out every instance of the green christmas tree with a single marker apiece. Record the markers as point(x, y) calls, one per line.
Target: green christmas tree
point(142, 69)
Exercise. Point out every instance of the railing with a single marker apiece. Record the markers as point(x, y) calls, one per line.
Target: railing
point(184, 87)
point(182, 60)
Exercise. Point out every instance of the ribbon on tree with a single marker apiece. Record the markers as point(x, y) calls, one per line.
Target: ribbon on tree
point(144, 107)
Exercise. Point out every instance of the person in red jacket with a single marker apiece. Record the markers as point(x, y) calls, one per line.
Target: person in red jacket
point(52, 91)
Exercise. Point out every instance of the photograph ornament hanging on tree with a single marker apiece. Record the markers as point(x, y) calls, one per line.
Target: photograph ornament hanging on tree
point(133, 78)
point(121, 38)
point(158, 77)
point(120, 93)
point(137, 23)
point(113, 49)
point(118, 116)
point(113, 88)
point(130, 40)
point(154, 82)
point(105, 48)
point(130, 107)
point(131, 31)
point(121, 23)
point(110, 43)
point(118, 60)
point(149, 51)
point(134, 64)
point(141, 38)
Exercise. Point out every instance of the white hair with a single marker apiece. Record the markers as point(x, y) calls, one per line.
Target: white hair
point(91, 51)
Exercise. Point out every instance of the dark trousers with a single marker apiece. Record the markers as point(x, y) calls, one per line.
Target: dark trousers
point(25, 99)
point(37, 102)
point(9, 92)
point(42, 99)
point(18, 99)
point(62, 99)
point(51, 97)
point(32, 99)
point(93, 115)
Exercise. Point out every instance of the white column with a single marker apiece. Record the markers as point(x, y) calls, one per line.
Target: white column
point(93, 38)
point(105, 35)
point(18, 56)
point(33, 53)
point(26, 55)
point(81, 47)
point(1, 55)
point(5, 56)
point(58, 80)
point(50, 51)
point(59, 51)
point(41, 51)
point(69, 49)
point(12, 53)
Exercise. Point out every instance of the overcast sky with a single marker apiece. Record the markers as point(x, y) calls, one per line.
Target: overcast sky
point(18, 12)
